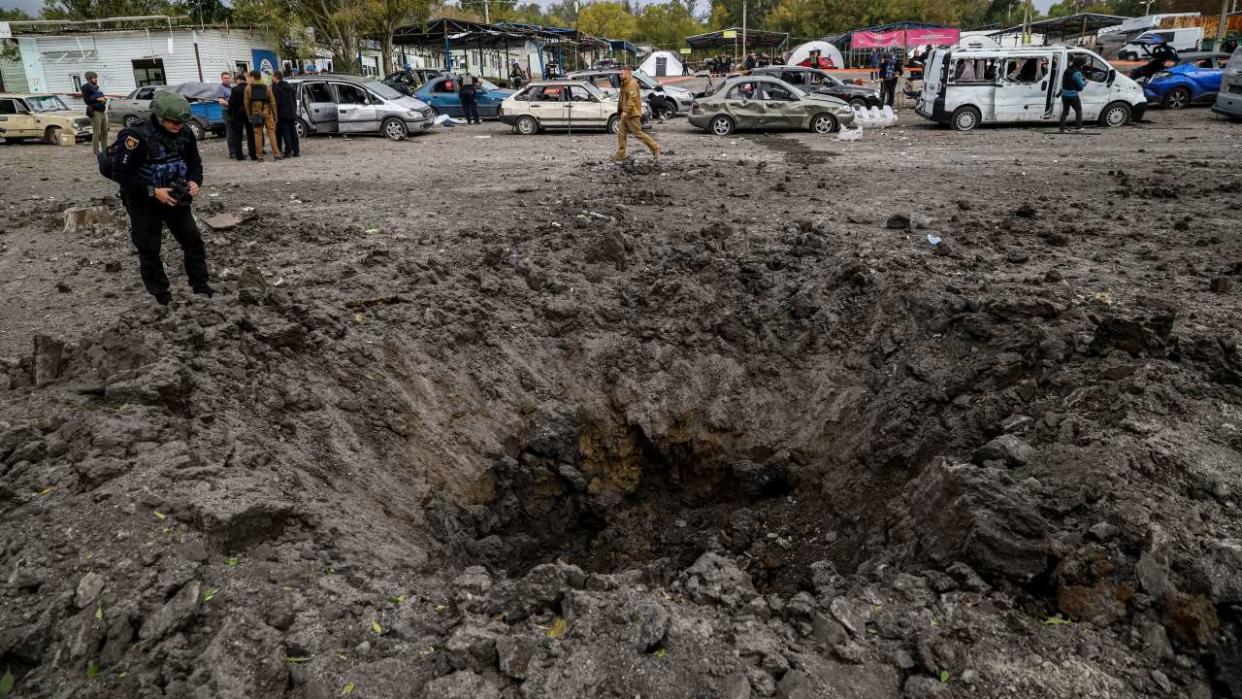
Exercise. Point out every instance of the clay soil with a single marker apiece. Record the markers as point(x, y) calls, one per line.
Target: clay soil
point(480, 415)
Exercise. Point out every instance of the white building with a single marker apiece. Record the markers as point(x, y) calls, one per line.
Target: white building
point(129, 58)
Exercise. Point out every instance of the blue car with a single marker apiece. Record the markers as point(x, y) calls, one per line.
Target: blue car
point(441, 93)
point(1194, 80)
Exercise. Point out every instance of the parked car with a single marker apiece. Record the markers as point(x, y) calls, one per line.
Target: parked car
point(208, 115)
point(562, 104)
point(442, 94)
point(407, 81)
point(821, 82)
point(669, 100)
point(1195, 79)
point(1229, 99)
point(1139, 48)
point(132, 108)
point(964, 88)
point(332, 104)
point(765, 102)
point(25, 115)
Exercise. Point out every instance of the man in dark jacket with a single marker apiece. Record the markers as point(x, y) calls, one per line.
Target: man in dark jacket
point(890, 71)
point(241, 121)
point(160, 172)
point(469, 99)
point(1072, 82)
point(95, 109)
point(286, 115)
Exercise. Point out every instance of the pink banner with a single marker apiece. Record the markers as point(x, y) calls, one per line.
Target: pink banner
point(900, 38)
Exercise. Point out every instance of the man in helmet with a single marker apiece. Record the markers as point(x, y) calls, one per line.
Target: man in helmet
point(158, 167)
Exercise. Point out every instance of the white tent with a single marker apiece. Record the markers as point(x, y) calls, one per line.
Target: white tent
point(661, 64)
point(827, 54)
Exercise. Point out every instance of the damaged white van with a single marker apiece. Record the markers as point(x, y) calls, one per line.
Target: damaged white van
point(966, 87)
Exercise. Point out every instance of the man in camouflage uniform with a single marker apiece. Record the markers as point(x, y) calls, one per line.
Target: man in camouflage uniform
point(630, 116)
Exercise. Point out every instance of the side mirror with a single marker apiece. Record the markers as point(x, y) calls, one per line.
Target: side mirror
point(1112, 75)
point(1043, 86)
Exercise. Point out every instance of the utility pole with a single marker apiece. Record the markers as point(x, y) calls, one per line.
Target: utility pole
point(487, 15)
point(743, 56)
point(1224, 22)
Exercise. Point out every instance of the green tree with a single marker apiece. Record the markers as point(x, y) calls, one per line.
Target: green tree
point(381, 19)
point(14, 15)
point(606, 19)
point(666, 25)
point(96, 9)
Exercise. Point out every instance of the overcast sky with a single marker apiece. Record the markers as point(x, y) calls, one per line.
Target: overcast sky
point(33, 6)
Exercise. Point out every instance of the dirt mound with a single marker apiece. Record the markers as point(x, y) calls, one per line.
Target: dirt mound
point(589, 455)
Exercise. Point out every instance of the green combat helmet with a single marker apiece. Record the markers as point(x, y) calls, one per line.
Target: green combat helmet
point(169, 105)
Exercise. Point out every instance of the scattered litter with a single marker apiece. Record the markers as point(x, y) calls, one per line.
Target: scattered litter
point(933, 239)
point(222, 222)
point(850, 134)
point(483, 135)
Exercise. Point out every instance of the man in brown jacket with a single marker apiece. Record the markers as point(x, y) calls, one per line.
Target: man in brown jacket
point(630, 116)
point(261, 109)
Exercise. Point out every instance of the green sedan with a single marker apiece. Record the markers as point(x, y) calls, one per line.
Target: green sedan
point(767, 103)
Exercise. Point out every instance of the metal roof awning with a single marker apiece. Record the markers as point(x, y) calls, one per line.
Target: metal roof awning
point(754, 39)
point(460, 32)
point(1082, 24)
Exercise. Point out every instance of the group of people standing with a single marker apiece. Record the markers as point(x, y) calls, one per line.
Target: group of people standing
point(255, 109)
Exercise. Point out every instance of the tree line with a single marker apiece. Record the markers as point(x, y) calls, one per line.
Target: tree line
point(298, 26)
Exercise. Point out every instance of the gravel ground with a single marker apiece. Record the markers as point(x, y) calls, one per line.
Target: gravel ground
point(475, 414)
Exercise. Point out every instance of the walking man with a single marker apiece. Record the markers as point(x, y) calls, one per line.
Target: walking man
point(1071, 83)
point(241, 122)
point(469, 99)
point(630, 116)
point(158, 167)
point(261, 109)
point(286, 116)
point(96, 110)
point(890, 70)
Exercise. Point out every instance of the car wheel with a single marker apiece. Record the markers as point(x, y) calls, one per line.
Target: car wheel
point(823, 123)
point(51, 135)
point(614, 124)
point(130, 120)
point(858, 103)
point(301, 128)
point(1177, 98)
point(721, 125)
point(668, 110)
point(196, 129)
point(394, 129)
point(966, 119)
point(527, 126)
point(1115, 114)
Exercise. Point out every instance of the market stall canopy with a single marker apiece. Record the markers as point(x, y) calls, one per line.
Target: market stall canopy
point(459, 33)
point(801, 55)
point(728, 38)
point(1061, 28)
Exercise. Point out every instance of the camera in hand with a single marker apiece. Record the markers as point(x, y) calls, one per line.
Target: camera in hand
point(181, 192)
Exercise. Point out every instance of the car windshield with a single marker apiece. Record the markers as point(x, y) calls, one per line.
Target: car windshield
point(45, 103)
point(382, 90)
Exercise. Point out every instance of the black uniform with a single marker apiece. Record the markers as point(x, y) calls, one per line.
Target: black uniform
point(147, 157)
point(286, 119)
point(469, 100)
point(241, 123)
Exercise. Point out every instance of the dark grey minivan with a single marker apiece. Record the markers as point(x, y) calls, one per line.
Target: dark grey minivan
point(347, 104)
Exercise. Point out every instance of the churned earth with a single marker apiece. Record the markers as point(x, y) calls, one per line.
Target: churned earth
point(477, 415)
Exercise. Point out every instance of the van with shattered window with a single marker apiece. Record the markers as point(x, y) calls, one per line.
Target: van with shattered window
point(964, 88)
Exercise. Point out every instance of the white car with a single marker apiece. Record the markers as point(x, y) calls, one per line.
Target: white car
point(668, 100)
point(964, 88)
point(561, 105)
